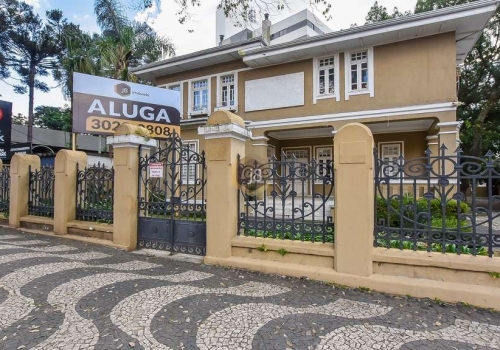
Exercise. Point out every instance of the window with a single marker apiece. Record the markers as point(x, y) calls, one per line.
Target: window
point(359, 78)
point(326, 76)
point(175, 87)
point(390, 153)
point(324, 160)
point(271, 152)
point(227, 90)
point(359, 71)
point(200, 95)
point(188, 169)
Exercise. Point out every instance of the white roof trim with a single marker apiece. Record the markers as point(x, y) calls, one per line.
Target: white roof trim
point(380, 113)
point(474, 8)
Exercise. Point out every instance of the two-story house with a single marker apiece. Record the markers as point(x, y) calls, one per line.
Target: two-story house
point(398, 77)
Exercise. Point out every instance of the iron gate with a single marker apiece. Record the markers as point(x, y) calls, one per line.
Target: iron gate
point(172, 208)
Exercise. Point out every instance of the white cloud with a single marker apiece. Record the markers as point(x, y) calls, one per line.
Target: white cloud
point(344, 14)
point(34, 3)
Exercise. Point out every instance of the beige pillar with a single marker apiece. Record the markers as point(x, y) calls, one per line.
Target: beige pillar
point(126, 142)
point(19, 186)
point(257, 149)
point(449, 137)
point(65, 169)
point(225, 136)
point(354, 207)
point(433, 146)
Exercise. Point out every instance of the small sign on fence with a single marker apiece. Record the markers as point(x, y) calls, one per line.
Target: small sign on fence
point(155, 169)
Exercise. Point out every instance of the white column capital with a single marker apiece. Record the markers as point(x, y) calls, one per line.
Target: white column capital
point(225, 131)
point(121, 141)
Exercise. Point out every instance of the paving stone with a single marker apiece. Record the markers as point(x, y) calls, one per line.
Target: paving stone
point(56, 294)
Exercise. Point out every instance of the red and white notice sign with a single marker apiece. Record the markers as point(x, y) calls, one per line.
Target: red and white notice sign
point(156, 170)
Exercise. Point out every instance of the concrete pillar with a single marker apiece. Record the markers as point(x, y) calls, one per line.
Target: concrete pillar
point(126, 142)
point(354, 207)
point(449, 137)
point(65, 170)
point(19, 186)
point(257, 149)
point(433, 146)
point(225, 136)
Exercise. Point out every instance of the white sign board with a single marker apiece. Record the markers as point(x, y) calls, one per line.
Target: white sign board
point(156, 170)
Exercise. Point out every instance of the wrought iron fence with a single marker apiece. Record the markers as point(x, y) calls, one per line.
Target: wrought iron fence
point(4, 190)
point(41, 192)
point(94, 194)
point(286, 199)
point(432, 203)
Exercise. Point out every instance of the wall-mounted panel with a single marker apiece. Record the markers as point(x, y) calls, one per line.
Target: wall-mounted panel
point(274, 92)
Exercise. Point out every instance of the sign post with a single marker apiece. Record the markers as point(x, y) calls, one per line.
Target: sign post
point(101, 105)
point(5, 128)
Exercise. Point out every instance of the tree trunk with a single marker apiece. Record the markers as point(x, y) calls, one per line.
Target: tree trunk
point(31, 87)
point(477, 128)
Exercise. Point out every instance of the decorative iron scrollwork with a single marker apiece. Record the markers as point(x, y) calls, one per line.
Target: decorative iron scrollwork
point(41, 191)
point(95, 193)
point(432, 203)
point(286, 199)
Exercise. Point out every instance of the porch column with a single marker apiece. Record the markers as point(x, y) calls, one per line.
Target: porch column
point(126, 142)
point(433, 146)
point(19, 186)
point(449, 137)
point(257, 149)
point(225, 136)
point(354, 200)
point(65, 170)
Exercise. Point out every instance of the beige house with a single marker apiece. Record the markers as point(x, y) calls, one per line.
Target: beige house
point(399, 77)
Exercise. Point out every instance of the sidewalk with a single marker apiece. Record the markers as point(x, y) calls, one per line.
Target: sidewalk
point(60, 294)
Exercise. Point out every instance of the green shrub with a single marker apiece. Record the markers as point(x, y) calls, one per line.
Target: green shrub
point(410, 210)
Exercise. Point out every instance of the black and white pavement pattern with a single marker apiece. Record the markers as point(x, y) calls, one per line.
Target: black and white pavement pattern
point(61, 294)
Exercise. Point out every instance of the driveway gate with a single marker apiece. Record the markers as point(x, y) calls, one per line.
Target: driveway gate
point(172, 208)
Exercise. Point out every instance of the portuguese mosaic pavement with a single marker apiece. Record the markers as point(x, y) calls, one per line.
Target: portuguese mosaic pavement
point(56, 294)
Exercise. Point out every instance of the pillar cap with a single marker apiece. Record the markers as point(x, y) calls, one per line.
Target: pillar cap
point(225, 117)
point(130, 141)
point(225, 131)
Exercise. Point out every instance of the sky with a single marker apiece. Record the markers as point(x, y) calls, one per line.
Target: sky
point(197, 33)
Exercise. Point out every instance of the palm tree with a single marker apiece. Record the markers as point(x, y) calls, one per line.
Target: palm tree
point(125, 44)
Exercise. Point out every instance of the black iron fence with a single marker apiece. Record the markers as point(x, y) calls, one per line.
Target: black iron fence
point(434, 203)
point(4, 190)
point(286, 199)
point(94, 194)
point(41, 192)
point(172, 199)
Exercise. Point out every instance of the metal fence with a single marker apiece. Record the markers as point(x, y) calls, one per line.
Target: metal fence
point(41, 192)
point(94, 194)
point(286, 199)
point(4, 189)
point(433, 203)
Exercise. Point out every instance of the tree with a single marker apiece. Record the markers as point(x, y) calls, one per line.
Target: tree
point(32, 48)
point(125, 44)
point(479, 85)
point(241, 11)
point(19, 119)
point(54, 118)
point(379, 13)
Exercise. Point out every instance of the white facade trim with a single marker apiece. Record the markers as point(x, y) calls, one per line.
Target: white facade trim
point(390, 27)
point(224, 131)
point(457, 124)
point(135, 141)
point(371, 74)
point(190, 82)
point(336, 66)
point(218, 102)
point(371, 114)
